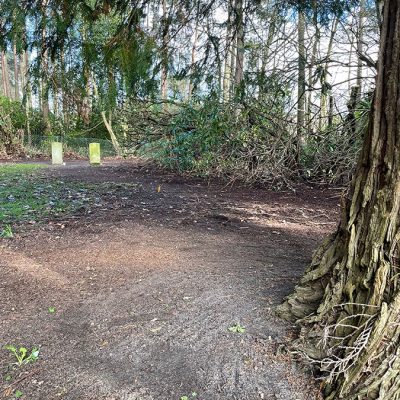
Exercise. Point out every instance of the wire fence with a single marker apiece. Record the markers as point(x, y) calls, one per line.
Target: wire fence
point(79, 146)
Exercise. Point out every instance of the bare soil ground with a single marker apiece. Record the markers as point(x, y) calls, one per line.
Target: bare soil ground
point(146, 286)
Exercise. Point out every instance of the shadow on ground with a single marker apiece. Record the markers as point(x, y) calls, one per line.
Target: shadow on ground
point(147, 284)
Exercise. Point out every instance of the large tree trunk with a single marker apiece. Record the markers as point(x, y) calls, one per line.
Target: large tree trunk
point(348, 302)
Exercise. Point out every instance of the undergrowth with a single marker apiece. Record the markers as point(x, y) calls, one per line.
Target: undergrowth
point(244, 142)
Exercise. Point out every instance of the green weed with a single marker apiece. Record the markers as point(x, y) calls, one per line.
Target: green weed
point(22, 355)
point(237, 329)
point(7, 232)
point(191, 396)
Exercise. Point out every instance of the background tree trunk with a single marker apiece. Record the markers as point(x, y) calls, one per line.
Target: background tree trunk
point(164, 52)
point(360, 47)
point(239, 43)
point(301, 84)
point(267, 49)
point(16, 72)
point(44, 95)
point(316, 39)
point(228, 48)
point(325, 84)
point(193, 52)
point(348, 302)
point(4, 74)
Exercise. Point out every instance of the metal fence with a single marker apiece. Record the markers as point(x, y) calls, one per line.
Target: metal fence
point(77, 145)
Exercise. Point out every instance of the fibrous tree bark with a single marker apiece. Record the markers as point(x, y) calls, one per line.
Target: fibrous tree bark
point(348, 302)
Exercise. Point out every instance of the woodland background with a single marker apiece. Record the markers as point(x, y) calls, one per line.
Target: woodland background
point(259, 91)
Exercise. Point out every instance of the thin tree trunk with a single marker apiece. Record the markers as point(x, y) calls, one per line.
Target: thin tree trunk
point(64, 91)
point(330, 114)
point(23, 70)
point(27, 79)
point(110, 131)
point(360, 46)
point(228, 48)
point(45, 72)
point(239, 44)
point(325, 85)
point(107, 122)
point(311, 66)
point(148, 16)
point(26, 88)
point(233, 51)
point(267, 49)
point(348, 302)
point(301, 84)
point(164, 53)
point(4, 73)
point(16, 72)
point(86, 106)
point(193, 53)
point(350, 71)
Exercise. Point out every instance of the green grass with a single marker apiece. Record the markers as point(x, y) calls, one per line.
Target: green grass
point(29, 195)
point(10, 170)
point(16, 191)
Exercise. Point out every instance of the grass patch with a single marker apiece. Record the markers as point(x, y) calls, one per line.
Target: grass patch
point(12, 170)
point(28, 195)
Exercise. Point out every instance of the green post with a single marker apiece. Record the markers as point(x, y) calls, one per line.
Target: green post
point(94, 153)
point(56, 153)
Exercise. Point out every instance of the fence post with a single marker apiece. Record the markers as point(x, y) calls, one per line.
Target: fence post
point(94, 153)
point(56, 153)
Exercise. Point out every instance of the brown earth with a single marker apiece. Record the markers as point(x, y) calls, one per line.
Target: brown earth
point(146, 287)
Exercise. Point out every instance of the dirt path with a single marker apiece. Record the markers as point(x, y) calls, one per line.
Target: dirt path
point(147, 286)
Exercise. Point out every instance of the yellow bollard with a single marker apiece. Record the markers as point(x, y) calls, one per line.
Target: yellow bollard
point(56, 153)
point(94, 153)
